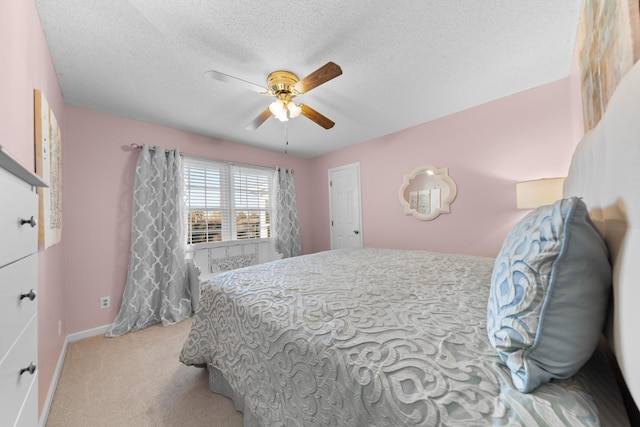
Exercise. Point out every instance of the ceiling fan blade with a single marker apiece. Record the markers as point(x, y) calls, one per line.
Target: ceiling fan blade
point(322, 75)
point(314, 116)
point(236, 81)
point(259, 120)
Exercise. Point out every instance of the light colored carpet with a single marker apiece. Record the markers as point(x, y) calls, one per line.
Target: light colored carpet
point(136, 380)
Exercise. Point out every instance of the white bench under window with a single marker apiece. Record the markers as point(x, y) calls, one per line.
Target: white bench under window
point(206, 262)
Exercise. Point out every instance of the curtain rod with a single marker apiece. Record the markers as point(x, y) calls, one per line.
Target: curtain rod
point(135, 146)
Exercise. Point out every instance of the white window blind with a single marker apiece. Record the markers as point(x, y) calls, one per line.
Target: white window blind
point(226, 201)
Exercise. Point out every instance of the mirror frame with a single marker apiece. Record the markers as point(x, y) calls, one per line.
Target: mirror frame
point(445, 205)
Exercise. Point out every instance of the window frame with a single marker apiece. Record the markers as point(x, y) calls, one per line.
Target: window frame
point(229, 208)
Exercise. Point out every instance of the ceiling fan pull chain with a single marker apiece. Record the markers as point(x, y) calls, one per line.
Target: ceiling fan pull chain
point(286, 137)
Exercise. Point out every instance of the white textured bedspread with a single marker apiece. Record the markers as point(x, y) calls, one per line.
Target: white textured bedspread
point(366, 337)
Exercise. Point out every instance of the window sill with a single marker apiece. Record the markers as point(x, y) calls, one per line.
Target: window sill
point(199, 246)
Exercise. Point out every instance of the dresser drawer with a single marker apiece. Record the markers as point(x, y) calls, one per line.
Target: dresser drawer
point(16, 279)
point(19, 203)
point(14, 387)
point(28, 416)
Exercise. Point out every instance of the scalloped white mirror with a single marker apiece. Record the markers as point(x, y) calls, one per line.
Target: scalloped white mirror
point(427, 192)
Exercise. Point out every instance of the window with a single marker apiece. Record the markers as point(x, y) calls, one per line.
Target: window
point(226, 201)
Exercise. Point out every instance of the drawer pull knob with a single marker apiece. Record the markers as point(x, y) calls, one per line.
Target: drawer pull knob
point(31, 221)
point(31, 369)
point(31, 295)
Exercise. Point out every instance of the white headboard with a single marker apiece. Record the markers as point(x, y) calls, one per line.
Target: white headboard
point(605, 172)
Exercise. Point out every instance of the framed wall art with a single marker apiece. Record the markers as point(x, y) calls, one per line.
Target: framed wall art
point(608, 45)
point(48, 153)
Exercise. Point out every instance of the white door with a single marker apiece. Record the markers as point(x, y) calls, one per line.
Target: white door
point(345, 214)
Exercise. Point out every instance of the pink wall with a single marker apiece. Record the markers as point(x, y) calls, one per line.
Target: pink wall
point(487, 150)
point(99, 167)
point(26, 65)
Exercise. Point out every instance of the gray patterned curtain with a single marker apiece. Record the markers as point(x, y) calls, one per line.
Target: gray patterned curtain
point(156, 289)
point(287, 227)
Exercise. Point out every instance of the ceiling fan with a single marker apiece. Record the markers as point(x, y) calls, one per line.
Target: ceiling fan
point(284, 86)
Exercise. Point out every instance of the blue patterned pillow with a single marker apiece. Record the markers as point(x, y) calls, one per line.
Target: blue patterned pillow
point(549, 294)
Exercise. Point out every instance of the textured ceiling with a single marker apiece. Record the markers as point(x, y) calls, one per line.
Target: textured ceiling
point(403, 62)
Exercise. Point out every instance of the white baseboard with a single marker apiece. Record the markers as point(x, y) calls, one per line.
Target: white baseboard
point(54, 384)
point(100, 330)
point(56, 375)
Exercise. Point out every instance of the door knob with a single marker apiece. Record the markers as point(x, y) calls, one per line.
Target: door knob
point(356, 232)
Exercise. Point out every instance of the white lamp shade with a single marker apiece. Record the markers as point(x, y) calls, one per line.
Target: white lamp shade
point(294, 110)
point(277, 108)
point(539, 192)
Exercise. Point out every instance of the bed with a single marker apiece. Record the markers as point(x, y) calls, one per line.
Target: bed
point(368, 336)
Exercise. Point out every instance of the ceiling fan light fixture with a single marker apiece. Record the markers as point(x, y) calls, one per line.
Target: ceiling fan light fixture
point(294, 110)
point(276, 107)
point(284, 110)
point(279, 110)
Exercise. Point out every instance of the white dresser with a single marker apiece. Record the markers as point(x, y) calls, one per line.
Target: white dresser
point(18, 292)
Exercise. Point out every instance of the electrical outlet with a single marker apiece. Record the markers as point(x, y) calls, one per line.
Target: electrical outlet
point(105, 302)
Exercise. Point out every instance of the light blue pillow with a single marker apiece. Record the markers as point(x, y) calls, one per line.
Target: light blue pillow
point(549, 294)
